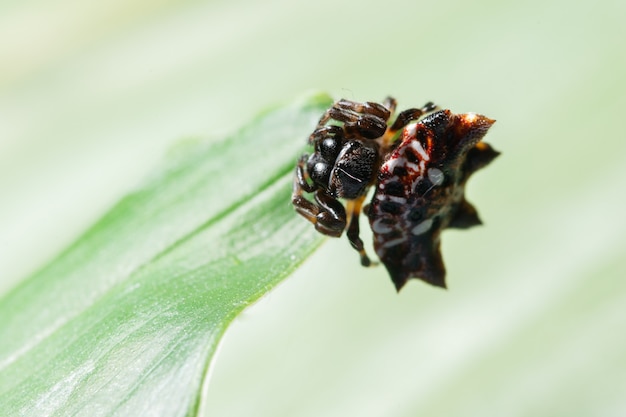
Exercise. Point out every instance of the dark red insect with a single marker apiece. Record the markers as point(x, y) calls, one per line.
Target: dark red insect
point(420, 179)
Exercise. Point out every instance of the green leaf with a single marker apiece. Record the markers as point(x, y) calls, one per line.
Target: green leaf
point(126, 321)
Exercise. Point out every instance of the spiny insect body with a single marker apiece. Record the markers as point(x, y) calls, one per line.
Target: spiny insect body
point(418, 163)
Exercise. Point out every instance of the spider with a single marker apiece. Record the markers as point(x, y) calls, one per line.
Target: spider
point(419, 178)
point(345, 164)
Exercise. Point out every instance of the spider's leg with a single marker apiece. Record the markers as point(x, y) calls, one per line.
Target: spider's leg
point(361, 120)
point(325, 118)
point(333, 132)
point(328, 215)
point(303, 206)
point(345, 107)
point(407, 116)
point(301, 179)
point(354, 209)
point(331, 219)
point(342, 111)
point(391, 104)
point(348, 111)
point(404, 118)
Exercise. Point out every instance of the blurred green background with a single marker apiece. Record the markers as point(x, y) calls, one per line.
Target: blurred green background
point(534, 323)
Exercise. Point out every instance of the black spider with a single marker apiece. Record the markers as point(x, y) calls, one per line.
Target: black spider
point(345, 164)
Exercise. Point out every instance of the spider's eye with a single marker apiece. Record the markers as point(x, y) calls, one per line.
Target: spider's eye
point(320, 168)
point(319, 171)
point(329, 148)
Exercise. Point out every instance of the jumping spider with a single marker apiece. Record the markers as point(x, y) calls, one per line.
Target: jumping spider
point(345, 164)
point(419, 178)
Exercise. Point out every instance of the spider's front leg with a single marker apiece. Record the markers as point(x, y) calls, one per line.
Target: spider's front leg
point(326, 132)
point(407, 116)
point(331, 219)
point(347, 110)
point(328, 215)
point(361, 120)
point(404, 118)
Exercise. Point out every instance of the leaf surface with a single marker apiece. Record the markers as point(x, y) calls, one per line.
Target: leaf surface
point(126, 320)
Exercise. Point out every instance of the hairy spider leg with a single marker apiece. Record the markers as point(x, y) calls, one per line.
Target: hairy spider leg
point(350, 111)
point(404, 118)
point(328, 215)
point(332, 217)
point(331, 131)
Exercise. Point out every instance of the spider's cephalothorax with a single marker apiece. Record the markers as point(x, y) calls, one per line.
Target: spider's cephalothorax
point(419, 179)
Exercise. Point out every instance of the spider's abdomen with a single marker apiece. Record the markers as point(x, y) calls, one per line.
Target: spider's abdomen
point(420, 192)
